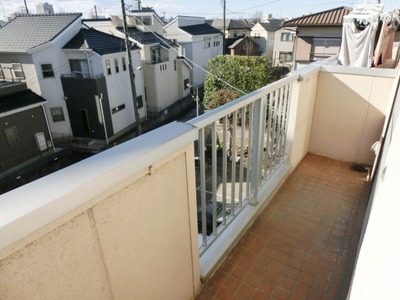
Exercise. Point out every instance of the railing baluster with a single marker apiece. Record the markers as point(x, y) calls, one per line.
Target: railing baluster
point(233, 162)
point(249, 149)
point(214, 176)
point(269, 132)
point(242, 140)
point(203, 187)
point(224, 166)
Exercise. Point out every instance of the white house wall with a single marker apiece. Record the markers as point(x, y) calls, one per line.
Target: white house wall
point(282, 46)
point(119, 90)
point(263, 39)
point(49, 88)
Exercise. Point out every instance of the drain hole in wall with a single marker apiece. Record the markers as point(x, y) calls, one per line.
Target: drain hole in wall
point(360, 168)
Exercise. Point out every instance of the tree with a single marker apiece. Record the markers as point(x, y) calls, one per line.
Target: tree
point(242, 74)
point(257, 17)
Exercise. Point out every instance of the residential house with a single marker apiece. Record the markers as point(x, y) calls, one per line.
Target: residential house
point(318, 35)
point(33, 52)
point(30, 52)
point(200, 42)
point(244, 46)
point(263, 34)
point(97, 89)
point(165, 73)
point(233, 30)
point(283, 47)
point(24, 130)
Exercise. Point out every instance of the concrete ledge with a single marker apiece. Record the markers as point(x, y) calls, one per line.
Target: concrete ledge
point(218, 251)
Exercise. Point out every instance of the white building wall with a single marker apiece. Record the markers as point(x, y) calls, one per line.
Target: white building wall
point(49, 88)
point(119, 90)
point(282, 46)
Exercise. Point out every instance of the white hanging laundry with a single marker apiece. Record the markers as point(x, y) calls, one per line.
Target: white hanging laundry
point(358, 35)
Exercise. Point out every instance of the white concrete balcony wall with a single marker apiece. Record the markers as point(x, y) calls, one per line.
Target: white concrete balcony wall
point(119, 225)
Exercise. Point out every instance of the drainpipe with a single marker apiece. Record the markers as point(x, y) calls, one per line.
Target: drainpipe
point(100, 99)
point(48, 126)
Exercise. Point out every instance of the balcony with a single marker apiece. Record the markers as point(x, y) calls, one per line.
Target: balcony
point(133, 222)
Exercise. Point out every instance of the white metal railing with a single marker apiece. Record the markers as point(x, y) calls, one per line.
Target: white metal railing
point(240, 146)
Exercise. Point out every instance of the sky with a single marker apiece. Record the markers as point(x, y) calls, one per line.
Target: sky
point(209, 9)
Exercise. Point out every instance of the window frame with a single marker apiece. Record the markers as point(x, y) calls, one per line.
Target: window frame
point(289, 37)
point(285, 54)
point(47, 73)
point(123, 62)
point(116, 65)
point(108, 67)
point(14, 139)
point(19, 72)
point(55, 115)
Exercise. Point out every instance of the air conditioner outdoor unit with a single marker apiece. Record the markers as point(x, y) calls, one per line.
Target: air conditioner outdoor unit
point(40, 140)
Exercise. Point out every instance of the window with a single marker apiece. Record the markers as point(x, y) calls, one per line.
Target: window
point(123, 64)
point(12, 136)
point(323, 48)
point(108, 67)
point(47, 70)
point(207, 42)
point(79, 67)
point(118, 108)
point(217, 42)
point(155, 54)
point(145, 20)
point(116, 65)
point(139, 101)
point(57, 114)
point(163, 67)
point(18, 72)
point(285, 57)
point(286, 37)
point(1, 72)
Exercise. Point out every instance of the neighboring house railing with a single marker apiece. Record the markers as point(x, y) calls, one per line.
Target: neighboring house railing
point(240, 146)
point(82, 75)
point(320, 56)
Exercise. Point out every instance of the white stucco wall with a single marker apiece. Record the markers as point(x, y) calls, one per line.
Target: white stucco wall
point(349, 115)
point(377, 269)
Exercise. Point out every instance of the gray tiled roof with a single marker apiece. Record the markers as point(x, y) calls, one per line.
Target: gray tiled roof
point(272, 24)
point(25, 32)
point(200, 29)
point(98, 41)
point(19, 100)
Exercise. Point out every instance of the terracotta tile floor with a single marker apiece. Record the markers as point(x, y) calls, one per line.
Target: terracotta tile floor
point(302, 245)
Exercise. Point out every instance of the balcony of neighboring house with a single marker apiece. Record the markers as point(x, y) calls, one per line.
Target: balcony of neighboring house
point(262, 198)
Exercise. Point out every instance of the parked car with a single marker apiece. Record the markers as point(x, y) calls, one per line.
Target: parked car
point(209, 217)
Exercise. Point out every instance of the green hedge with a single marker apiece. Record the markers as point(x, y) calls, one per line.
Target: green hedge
point(245, 73)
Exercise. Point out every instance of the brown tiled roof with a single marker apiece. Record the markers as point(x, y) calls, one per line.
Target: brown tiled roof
point(332, 17)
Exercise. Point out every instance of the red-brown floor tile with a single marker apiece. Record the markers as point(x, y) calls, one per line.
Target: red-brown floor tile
point(298, 246)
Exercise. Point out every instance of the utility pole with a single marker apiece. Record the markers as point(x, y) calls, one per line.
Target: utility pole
point(224, 26)
point(26, 8)
point(131, 72)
